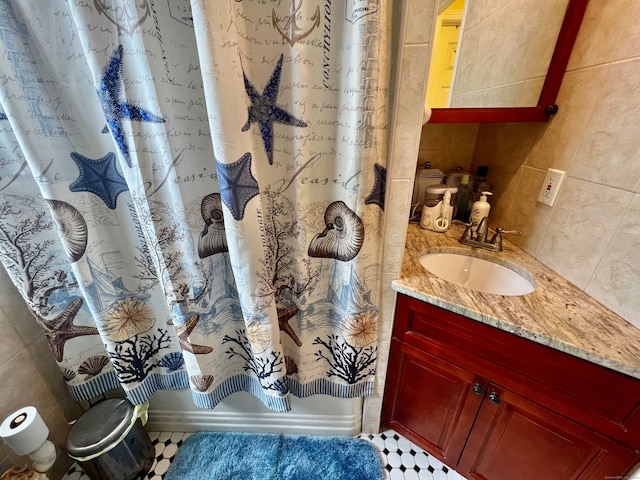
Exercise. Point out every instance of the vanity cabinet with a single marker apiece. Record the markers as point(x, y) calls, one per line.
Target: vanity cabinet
point(495, 406)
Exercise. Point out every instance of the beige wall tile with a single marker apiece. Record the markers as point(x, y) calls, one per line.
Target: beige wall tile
point(629, 40)
point(14, 309)
point(527, 215)
point(12, 343)
point(560, 140)
point(409, 112)
point(419, 21)
point(504, 148)
point(448, 145)
point(396, 218)
point(581, 227)
point(609, 151)
point(506, 189)
point(503, 144)
point(23, 385)
point(437, 136)
point(609, 32)
point(617, 276)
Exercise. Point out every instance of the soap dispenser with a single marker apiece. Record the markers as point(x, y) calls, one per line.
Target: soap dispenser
point(480, 210)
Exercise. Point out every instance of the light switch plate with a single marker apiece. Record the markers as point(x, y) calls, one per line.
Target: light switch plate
point(551, 186)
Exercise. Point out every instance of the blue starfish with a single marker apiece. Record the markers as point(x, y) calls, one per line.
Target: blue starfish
point(100, 177)
point(265, 112)
point(3, 116)
point(379, 186)
point(109, 93)
point(237, 184)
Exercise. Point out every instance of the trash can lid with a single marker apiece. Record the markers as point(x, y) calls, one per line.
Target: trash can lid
point(99, 426)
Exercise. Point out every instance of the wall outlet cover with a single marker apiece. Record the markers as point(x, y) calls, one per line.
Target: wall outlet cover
point(551, 186)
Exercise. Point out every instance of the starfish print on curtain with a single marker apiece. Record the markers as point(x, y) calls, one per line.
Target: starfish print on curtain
point(100, 177)
point(284, 315)
point(115, 110)
point(184, 331)
point(61, 329)
point(237, 184)
point(379, 186)
point(265, 112)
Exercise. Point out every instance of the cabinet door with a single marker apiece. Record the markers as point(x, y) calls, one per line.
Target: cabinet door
point(431, 401)
point(514, 438)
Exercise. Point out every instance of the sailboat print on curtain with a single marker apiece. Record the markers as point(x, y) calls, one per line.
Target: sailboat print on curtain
point(104, 290)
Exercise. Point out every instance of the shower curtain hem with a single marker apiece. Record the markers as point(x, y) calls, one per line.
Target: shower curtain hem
point(138, 395)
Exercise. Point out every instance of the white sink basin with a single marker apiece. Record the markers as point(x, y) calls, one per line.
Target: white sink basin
point(477, 274)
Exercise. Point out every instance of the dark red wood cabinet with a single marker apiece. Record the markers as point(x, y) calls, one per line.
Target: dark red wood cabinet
point(495, 406)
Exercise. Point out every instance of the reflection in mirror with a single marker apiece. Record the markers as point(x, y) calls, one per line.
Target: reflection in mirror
point(492, 53)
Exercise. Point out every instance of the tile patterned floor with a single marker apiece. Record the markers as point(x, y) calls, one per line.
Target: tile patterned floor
point(402, 459)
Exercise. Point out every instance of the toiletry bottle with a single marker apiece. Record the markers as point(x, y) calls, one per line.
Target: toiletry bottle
point(453, 177)
point(461, 211)
point(480, 210)
point(480, 182)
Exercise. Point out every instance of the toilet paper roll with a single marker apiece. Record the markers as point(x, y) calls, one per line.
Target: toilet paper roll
point(24, 431)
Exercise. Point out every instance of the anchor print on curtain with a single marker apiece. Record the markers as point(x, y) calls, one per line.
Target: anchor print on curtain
point(191, 194)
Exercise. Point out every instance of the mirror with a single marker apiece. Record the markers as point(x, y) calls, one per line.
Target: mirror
point(500, 61)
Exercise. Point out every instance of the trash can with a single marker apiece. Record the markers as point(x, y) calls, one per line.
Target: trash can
point(110, 442)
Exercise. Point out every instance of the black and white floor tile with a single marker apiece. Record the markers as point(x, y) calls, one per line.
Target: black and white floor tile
point(402, 460)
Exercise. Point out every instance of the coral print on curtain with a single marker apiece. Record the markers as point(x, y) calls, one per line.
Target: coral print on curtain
point(191, 194)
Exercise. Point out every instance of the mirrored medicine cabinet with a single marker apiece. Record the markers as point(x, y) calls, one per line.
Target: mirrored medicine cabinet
point(497, 61)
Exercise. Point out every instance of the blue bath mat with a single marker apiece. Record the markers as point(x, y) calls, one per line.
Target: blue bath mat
point(249, 456)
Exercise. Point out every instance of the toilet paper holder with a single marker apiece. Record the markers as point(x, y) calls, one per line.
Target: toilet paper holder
point(25, 433)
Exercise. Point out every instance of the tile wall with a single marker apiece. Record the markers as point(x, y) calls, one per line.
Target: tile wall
point(30, 376)
point(591, 235)
point(448, 145)
point(413, 21)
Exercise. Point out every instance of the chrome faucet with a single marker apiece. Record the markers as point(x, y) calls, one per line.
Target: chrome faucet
point(480, 238)
point(481, 231)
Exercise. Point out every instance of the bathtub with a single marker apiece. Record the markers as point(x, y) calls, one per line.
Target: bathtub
point(174, 411)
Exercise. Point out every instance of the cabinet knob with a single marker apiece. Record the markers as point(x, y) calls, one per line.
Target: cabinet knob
point(477, 390)
point(494, 398)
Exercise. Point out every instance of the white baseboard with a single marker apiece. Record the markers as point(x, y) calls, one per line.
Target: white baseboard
point(174, 411)
point(295, 424)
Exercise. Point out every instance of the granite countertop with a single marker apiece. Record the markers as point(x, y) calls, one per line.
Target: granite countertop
point(556, 314)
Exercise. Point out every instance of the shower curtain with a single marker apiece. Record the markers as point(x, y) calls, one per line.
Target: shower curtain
point(192, 194)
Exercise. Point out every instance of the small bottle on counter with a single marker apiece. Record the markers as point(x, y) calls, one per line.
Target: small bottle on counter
point(480, 210)
point(461, 210)
point(479, 183)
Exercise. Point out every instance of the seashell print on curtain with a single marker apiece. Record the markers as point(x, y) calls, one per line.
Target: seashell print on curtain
point(192, 193)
